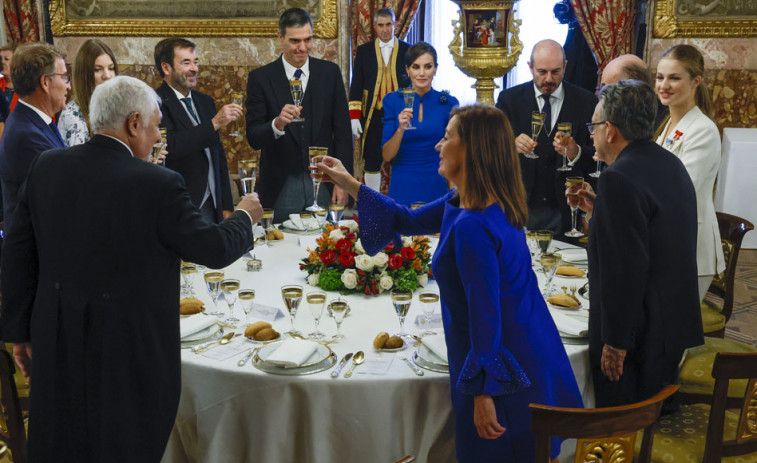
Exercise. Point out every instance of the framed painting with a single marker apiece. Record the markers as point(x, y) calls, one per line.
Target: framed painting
point(193, 18)
point(705, 18)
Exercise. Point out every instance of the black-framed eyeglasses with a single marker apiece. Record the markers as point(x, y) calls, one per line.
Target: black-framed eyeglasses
point(66, 77)
point(591, 125)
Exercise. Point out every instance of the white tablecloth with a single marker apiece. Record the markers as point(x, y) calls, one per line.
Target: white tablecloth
point(736, 189)
point(233, 414)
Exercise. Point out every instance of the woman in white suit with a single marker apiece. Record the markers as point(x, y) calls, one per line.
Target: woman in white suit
point(692, 136)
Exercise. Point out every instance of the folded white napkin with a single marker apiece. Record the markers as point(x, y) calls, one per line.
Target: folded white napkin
point(257, 231)
point(292, 353)
point(437, 345)
point(194, 323)
point(573, 326)
point(297, 221)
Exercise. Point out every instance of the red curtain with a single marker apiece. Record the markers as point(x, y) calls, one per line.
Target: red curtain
point(21, 21)
point(607, 26)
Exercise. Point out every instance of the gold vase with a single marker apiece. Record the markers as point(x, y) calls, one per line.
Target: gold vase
point(485, 44)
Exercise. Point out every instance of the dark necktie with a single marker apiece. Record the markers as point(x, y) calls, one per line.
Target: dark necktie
point(188, 103)
point(54, 126)
point(297, 73)
point(547, 110)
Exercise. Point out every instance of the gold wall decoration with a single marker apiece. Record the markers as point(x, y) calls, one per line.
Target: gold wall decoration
point(193, 18)
point(704, 18)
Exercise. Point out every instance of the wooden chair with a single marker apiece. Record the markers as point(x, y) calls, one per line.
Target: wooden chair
point(710, 434)
point(406, 459)
point(13, 433)
point(716, 315)
point(600, 430)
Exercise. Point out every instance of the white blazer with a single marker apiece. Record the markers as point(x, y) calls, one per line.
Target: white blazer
point(696, 142)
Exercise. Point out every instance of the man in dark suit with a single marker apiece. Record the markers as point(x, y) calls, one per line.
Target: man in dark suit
point(285, 184)
point(379, 69)
point(192, 124)
point(41, 82)
point(90, 284)
point(562, 102)
point(642, 253)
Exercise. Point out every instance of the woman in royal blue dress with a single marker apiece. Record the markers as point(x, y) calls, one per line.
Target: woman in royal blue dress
point(504, 350)
point(415, 164)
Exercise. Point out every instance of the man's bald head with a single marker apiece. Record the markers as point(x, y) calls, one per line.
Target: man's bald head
point(548, 49)
point(547, 65)
point(626, 67)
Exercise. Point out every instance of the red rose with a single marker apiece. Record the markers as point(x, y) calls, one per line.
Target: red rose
point(351, 236)
point(347, 259)
point(407, 253)
point(328, 256)
point(395, 261)
point(343, 245)
point(389, 247)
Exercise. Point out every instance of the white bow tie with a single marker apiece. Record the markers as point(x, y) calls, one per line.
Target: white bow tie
point(386, 45)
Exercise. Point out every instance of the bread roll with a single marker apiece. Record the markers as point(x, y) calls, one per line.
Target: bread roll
point(380, 340)
point(266, 334)
point(564, 300)
point(190, 306)
point(251, 330)
point(395, 342)
point(570, 271)
point(275, 234)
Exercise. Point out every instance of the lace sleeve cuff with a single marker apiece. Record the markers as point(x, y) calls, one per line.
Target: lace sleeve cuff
point(495, 373)
point(376, 215)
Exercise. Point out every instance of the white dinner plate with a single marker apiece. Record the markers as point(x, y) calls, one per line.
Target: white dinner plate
point(426, 365)
point(428, 356)
point(575, 256)
point(202, 335)
point(321, 353)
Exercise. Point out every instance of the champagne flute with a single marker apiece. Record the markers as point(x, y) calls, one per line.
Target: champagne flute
point(316, 174)
point(533, 246)
point(267, 222)
point(574, 185)
point(213, 280)
point(292, 295)
point(157, 148)
point(401, 301)
point(236, 98)
point(336, 211)
point(544, 239)
point(549, 263)
point(564, 129)
point(247, 297)
point(320, 218)
point(188, 269)
point(408, 94)
point(295, 88)
point(230, 289)
point(428, 304)
point(597, 172)
point(316, 301)
point(338, 310)
point(248, 172)
point(537, 122)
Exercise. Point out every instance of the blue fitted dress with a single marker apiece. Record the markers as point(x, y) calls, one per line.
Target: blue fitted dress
point(415, 175)
point(501, 340)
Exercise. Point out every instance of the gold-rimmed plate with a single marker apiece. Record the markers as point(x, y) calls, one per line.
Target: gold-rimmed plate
point(574, 256)
point(430, 357)
point(426, 365)
point(323, 365)
point(202, 335)
point(321, 353)
point(260, 343)
point(396, 349)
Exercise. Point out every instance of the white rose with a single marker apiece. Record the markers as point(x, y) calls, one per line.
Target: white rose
point(313, 279)
point(380, 260)
point(364, 262)
point(359, 247)
point(407, 241)
point(386, 282)
point(336, 235)
point(349, 278)
point(423, 279)
point(351, 224)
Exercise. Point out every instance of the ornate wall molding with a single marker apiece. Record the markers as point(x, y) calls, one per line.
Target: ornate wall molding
point(708, 18)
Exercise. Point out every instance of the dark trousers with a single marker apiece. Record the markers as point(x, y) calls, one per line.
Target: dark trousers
point(372, 143)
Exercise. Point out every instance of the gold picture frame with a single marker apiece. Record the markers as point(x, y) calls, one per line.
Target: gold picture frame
point(704, 18)
point(325, 25)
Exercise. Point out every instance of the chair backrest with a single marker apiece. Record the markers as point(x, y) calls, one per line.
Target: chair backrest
point(729, 366)
point(406, 459)
point(732, 231)
point(15, 434)
point(599, 430)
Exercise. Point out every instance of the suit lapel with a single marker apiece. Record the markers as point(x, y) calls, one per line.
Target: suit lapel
point(46, 130)
point(176, 107)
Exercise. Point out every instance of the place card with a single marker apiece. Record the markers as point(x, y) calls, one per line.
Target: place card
point(231, 349)
point(435, 322)
point(377, 365)
point(266, 313)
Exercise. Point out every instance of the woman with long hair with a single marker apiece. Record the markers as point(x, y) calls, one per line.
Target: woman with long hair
point(691, 135)
point(94, 64)
point(504, 350)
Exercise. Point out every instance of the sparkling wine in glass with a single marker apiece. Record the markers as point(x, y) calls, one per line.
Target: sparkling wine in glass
point(188, 269)
point(401, 301)
point(574, 185)
point(597, 172)
point(564, 129)
point(248, 171)
point(157, 148)
point(408, 94)
point(292, 295)
point(236, 98)
point(267, 222)
point(247, 298)
point(537, 122)
point(316, 301)
point(544, 239)
point(335, 212)
point(230, 289)
point(429, 302)
point(549, 263)
point(316, 174)
point(295, 88)
point(213, 280)
point(338, 309)
point(533, 246)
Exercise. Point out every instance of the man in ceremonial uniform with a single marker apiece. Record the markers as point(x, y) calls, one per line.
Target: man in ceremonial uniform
point(378, 69)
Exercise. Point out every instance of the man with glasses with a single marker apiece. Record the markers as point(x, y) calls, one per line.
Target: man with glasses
point(41, 81)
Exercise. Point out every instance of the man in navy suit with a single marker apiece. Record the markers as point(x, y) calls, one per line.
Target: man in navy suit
point(41, 81)
point(285, 184)
point(192, 123)
point(562, 102)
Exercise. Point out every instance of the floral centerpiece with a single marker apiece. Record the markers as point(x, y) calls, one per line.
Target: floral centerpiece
point(339, 263)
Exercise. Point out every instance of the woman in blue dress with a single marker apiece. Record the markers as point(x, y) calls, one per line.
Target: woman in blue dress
point(411, 152)
point(504, 350)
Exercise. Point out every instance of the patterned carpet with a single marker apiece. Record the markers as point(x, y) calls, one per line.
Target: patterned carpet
point(743, 323)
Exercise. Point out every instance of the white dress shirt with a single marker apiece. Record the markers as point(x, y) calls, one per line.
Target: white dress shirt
point(555, 101)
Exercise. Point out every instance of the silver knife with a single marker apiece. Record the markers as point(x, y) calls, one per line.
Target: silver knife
point(412, 364)
point(339, 367)
point(244, 359)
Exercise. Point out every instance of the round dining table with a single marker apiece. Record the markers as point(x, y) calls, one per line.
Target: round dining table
point(229, 413)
